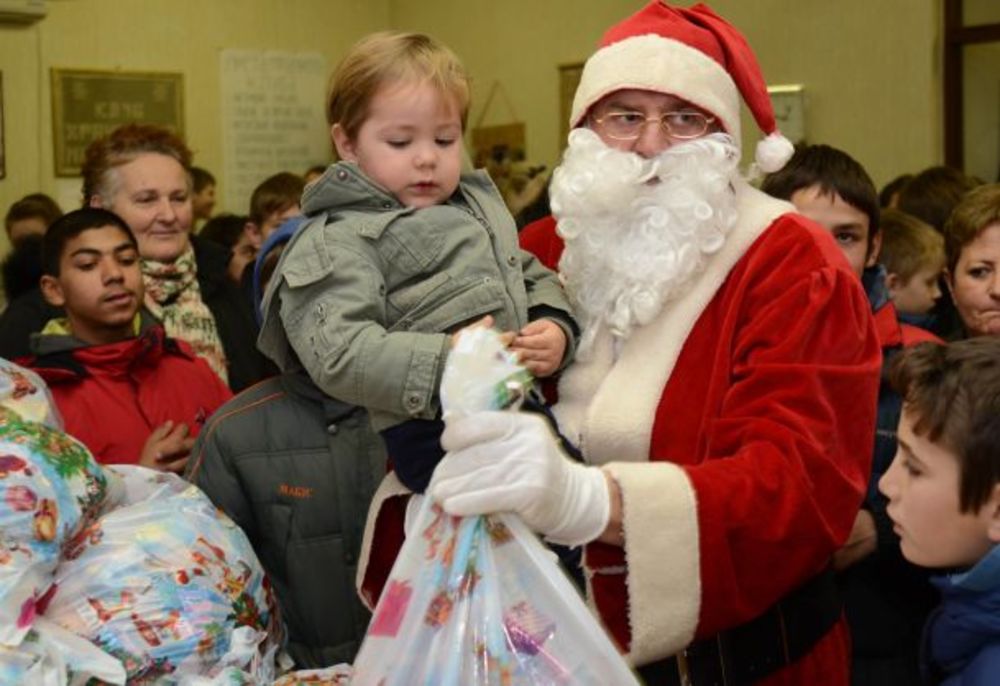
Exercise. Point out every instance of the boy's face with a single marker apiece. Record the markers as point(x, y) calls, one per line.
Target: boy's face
point(916, 295)
point(244, 252)
point(275, 219)
point(203, 202)
point(99, 285)
point(847, 223)
point(922, 486)
point(410, 144)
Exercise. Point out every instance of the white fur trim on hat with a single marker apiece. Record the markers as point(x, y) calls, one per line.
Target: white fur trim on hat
point(664, 65)
point(773, 152)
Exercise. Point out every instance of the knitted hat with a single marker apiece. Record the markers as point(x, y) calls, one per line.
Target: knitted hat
point(693, 54)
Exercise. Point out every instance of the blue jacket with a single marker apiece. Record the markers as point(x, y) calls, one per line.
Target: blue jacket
point(962, 639)
point(886, 599)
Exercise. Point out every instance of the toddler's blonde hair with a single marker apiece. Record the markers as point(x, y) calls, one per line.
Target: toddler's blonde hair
point(389, 57)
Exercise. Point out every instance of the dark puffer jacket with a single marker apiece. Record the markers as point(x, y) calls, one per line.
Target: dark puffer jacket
point(296, 470)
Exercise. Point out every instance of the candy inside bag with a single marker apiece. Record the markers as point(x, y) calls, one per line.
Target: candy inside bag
point(481, 374)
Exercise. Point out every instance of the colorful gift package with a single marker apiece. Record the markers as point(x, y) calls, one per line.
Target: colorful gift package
point(50, 487)
point(168, 585)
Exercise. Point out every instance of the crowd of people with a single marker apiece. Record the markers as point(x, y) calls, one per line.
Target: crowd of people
point(768, 435)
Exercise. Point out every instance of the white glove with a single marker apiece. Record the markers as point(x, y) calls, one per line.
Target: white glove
point(511, 462)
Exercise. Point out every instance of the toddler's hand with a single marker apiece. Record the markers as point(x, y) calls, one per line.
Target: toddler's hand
point(167, 448)
point(540, 347)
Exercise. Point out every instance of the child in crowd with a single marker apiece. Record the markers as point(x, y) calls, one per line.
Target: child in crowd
point(25, 222)
point(30, 216)
point(202, 194)
point(273, 201)
point(944, 500)
point(931, 196)
point(124, 389)
point(402, 250)
point(885, 599)
point(913, 257)
point(230, 231)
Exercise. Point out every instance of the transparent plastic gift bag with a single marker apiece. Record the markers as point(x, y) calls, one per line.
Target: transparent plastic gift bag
point(168, 585)
point(479, 601)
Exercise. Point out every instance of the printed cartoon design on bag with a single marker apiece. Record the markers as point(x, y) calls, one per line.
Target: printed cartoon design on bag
point(185, 596)
point(50, 489)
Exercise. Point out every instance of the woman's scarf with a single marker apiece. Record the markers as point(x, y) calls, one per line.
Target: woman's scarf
point(174, 297)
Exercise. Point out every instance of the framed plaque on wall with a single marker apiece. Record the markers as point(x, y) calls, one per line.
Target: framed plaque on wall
point(89, 104)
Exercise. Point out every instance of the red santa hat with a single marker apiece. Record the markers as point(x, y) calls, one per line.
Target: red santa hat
point(691, 53)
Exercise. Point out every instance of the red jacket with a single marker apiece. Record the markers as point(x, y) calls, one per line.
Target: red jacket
point(112, 396)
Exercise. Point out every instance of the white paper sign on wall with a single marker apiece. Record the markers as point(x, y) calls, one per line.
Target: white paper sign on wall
point(272, 118)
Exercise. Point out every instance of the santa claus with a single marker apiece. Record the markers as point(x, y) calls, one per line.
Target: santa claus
point(724, 391)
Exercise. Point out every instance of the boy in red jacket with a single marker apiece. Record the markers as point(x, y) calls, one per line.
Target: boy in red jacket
point(124, 389)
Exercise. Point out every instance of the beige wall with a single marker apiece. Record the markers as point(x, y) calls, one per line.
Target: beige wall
point(873, 85)
point(152, 35)
point(870, 69)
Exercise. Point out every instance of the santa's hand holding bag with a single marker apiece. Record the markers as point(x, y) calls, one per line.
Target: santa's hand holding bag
point(511, 462)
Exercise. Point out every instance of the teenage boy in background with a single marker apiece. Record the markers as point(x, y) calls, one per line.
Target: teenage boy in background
point(124, 389)
point(886, 600)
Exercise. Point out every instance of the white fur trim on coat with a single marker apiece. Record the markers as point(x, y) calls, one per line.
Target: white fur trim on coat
point(390, 487)
point(607, 406)
point(663, 65)
point(663, 606)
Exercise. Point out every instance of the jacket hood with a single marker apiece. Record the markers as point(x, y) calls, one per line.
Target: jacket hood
point(969, 617)
point(56, 336)
point(62, 358)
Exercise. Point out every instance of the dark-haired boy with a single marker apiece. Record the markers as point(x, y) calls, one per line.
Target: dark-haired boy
point(273, 201)
point(128, 392)
point(886, 600)
point(944, 500)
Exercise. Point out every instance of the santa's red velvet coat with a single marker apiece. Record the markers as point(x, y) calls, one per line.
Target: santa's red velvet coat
point(739, 426)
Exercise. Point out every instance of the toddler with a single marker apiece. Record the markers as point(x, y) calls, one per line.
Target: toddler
point(401, 250)
point(913, 256)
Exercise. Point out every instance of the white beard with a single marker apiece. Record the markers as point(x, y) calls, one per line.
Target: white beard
point(638, 231)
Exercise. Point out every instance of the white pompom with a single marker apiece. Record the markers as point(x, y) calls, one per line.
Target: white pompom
point(773, 152)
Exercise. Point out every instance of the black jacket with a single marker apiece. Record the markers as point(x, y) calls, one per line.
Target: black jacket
point(234, 320)
point(297, 470)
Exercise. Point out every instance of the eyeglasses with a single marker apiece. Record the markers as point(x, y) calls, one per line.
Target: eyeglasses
point(628, 126)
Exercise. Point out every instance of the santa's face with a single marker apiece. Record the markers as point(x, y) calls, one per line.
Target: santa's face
point(638, 230)
point(647, 122)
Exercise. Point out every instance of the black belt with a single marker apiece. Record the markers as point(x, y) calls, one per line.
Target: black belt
point(748, 653)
